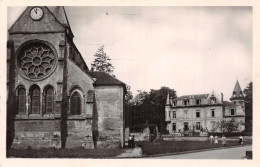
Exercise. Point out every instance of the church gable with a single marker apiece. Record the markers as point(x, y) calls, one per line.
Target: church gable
point(27, 23)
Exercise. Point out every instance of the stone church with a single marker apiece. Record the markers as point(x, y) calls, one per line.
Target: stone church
point(201, 112)
point(54, 100)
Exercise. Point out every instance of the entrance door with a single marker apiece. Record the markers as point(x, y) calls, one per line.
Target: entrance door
point(186, 127)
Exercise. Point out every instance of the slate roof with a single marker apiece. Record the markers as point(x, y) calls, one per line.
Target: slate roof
point(228, 104)
point(237, 92)
point(103, 78)
point(197, 96)
point(60, 14)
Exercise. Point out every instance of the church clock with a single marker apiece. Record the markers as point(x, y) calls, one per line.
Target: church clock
point(36, 13)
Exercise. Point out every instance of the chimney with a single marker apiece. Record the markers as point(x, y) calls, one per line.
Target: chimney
point(221, 97)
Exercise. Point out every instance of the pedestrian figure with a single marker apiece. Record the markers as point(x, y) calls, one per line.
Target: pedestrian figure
point(129, 141)
point(133, 141)
point(216, 140)
point(224, 140)
point(241, 140)
point(211, 139)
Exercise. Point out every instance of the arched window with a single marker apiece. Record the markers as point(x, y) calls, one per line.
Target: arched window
point(49, 100)
point(21, 101)
point(35, 100)
point(75, 104)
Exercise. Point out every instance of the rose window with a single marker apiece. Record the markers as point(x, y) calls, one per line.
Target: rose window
point(36, 61)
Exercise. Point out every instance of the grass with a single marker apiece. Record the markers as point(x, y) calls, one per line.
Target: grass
point(148, 148)
point(63, 153)
point(163, 147)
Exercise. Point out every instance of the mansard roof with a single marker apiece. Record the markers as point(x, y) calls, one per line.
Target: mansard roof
point(228, 104)
point(195, 96)
point(237, 92)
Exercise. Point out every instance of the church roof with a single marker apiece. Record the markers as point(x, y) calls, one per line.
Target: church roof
point(48, 23)
point(196, 96)
point(102, 78)
point(60, 14)
point(237, 92)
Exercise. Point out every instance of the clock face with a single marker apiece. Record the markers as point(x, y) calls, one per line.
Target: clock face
point(36, 13)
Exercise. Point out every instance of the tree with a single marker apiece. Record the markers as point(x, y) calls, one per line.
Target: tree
point(150, 106)
point(128, 95)
point(140, 97)
point(158, 97)
point(248, 91)
point(102, 62)
point(228, 126)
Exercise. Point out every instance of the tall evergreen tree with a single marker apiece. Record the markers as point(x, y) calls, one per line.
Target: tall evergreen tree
point(248, 91)
point(102, 62)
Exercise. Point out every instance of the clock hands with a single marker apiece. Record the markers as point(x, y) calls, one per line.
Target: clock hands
point(35, 10)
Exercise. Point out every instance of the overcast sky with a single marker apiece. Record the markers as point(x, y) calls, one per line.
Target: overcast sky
point(190, 49)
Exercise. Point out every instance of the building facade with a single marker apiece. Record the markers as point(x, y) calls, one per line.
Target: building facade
point(202, 112)
point(53, 98)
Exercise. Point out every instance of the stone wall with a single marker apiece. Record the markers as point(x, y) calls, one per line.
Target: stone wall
point(80, 81)
point(110, 107)
point(36, 134)
point(39, 131)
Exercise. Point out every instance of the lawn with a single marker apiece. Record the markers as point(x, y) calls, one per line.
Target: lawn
point(63, 153)
point(148, 148)
point(162, 147)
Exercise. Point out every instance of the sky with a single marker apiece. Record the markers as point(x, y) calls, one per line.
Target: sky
point(192, 50)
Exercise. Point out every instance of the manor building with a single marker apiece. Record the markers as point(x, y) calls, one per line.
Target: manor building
point(201, 112)
point(53, 98)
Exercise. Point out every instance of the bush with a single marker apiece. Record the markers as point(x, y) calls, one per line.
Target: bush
point(233, 134)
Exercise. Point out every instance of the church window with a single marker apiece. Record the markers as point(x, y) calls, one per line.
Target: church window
point(232, 112)
point(75, 104)
point(21, 101)
point(36, 60)
point(35, 100)
point(49, 100)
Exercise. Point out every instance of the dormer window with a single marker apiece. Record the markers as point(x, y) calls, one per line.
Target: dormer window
point(234, 93)
point(212, 100)
point(198, 101)
point(186, 102)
